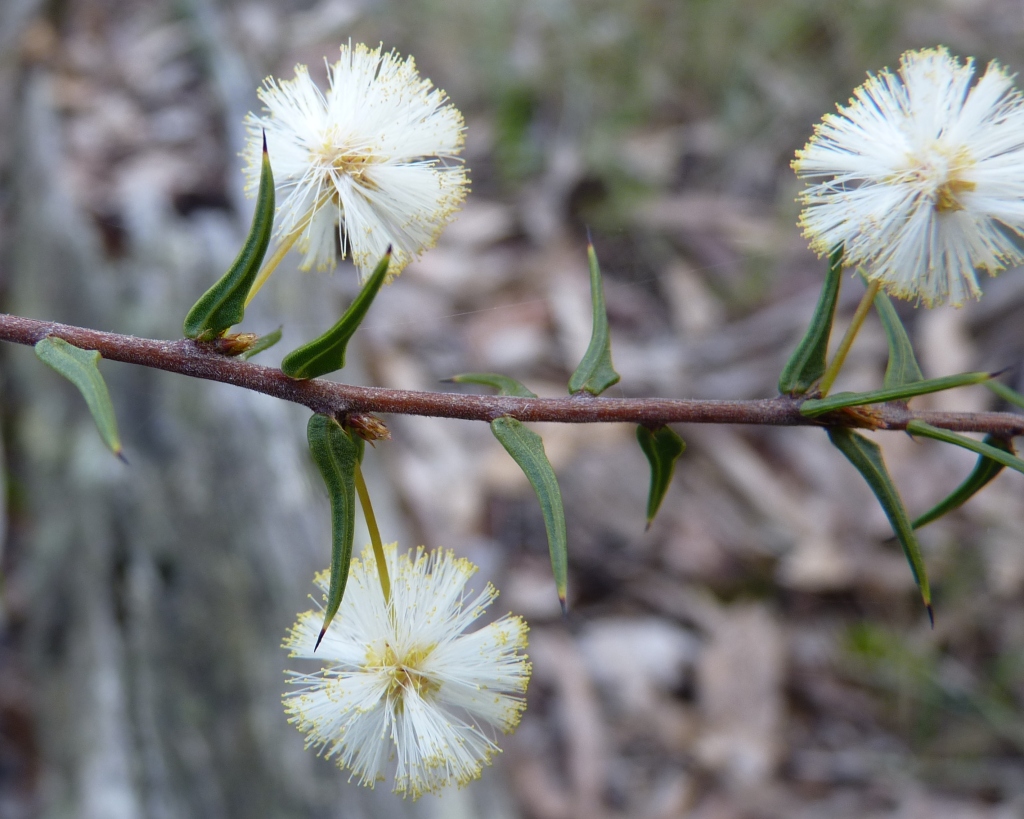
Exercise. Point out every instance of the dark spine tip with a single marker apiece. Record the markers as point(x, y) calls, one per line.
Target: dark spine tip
point(121, 457)
point(931, 614)
point(323, 631)
point(264, 141)
point(564, 605)
point(998, 373)
point(647, 528)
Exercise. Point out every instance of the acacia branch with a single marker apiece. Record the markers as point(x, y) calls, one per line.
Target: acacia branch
point(202, 360)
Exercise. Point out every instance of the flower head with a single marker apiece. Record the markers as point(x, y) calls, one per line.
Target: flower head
point(921, 177)
point(406, 681)
point(370, 161)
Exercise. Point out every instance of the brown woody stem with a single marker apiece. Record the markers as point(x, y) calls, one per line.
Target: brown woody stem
point(199, 360)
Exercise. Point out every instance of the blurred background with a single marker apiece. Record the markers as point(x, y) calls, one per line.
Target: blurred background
point(761, 652)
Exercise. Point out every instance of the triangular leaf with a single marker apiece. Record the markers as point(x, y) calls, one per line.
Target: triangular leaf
point(327, 353)
point(984, 471)
point(80, 368)
point(595, 373)
point(997, 454)
point(807, 363)
point(814, 407)
point(502, 383)
point(335, 454)
point(867, 458)
point(223, 305)
point(662, 447)
point(902, 367)
point(527, 449)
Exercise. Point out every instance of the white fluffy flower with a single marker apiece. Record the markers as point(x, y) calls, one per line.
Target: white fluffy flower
point(407, 681)
point(371, 161)
point(921, 177)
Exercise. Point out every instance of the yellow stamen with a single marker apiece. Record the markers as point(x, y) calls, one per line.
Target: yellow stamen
point(403, 671)
point(946, 198)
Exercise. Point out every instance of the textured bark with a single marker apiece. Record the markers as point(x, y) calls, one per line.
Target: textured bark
point(156, 594)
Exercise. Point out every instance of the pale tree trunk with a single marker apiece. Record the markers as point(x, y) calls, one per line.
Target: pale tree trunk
point(156, 594)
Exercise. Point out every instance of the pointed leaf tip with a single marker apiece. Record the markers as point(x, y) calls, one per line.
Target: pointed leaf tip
point(662, 447)
point(327, 353)
point(595, 372)
point(866, 456)
point(527, 449)
point(223, 305)
point(564, 606)
point(931, 615)
point(80, 367)
point(265, 152)
point(335, 454)
point(323, 631)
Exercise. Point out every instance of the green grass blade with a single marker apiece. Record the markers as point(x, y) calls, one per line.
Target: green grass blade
point(984, 471)
point(223, 305)
point(807, 363)
point(527, 449)
point(662, 447)
point(80, 368)
point(867, 458)
point(335, 454)
point(595, 372)
point(327, 353)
